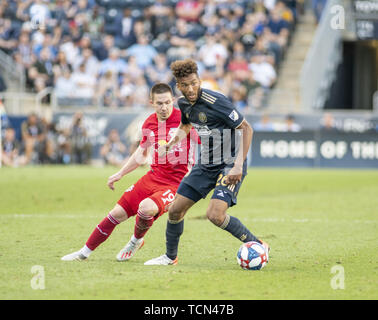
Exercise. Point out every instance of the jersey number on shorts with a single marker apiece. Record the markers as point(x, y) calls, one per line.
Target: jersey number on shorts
point(221, 182)
point(168, 196)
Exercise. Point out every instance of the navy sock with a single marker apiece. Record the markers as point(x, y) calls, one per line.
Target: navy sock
point(172, 234)
point(238, 230)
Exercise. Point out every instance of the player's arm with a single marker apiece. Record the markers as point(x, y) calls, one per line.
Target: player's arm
point(181, 133)
point(235, 120)
point(235, 174)
point(138, 158)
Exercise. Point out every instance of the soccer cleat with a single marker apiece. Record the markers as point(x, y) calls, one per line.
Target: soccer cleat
point(161, 261)
point(129, 250)
point(78, 256)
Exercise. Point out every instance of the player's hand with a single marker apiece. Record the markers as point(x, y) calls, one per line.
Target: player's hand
point(234, 175)
point(112, 179)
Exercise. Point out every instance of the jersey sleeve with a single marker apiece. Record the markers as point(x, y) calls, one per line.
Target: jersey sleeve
point(181, 104)
point(228, 113)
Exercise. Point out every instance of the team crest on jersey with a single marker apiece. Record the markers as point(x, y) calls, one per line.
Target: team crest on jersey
point(234, 116)
point(202, 117)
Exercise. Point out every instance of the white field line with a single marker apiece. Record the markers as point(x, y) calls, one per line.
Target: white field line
point(264, 220)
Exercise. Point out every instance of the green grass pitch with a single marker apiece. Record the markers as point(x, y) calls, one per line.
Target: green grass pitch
point(314, 220)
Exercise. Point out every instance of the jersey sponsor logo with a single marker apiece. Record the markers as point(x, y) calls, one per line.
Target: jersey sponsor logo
point(234, 115)
point(202, 130)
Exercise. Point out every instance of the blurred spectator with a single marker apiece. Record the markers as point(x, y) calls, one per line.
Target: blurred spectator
point(39, 11)
point(113, 151)
point(38, 149)
point(60, 139)
point(107, 90)
point(25, 50)
point(84, 85)
point(61, 65)
point(239, 98)
point(64, 87)
point(95, 23)
point(182, 41)
point(141, 93)
point(161, 16)
point(328, 122)
point(133, 70)
point(125, 34)
point(212, 53)
point(143, 52)
point(208, 80)
point(263, 71)
point(126, 92)
point(189, 10)
point(261, 48)
point(41, 73)
point(80, 146)
point(11, 150)
point(91, 63)
point(159, 71)
point(265, 124)
point(71, 49)
point(238, 66)
point(291, 125)
point(101, 49)
point(113, 63)
point(8, 41)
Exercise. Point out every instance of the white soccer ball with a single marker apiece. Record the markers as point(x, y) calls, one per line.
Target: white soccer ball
point(252, 256)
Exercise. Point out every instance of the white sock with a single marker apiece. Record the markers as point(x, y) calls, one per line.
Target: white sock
point(86, 251)
point(135, 240)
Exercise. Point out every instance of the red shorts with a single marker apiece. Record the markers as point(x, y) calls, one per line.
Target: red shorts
point(146, 187)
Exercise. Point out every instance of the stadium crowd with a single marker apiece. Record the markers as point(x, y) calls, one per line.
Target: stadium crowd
point(43, 142)
point(110, 52)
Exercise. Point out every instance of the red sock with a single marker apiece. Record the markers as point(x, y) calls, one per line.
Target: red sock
point(101, 232)
point(143, 222)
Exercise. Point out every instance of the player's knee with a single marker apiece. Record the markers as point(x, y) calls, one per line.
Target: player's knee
point(216, 215)
point(148, 207)
point(175, 213)
point(118, 213)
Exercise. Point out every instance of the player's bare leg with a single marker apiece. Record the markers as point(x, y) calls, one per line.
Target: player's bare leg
point(175, 227)
point(99, 234)
point(217, 214)
point(144, 220)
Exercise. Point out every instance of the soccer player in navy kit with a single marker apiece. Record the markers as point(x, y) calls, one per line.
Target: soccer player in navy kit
point(221, 126)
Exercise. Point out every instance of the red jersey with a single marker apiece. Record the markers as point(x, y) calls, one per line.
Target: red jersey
point(171, 168)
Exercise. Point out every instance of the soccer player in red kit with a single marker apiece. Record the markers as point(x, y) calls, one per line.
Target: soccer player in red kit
point(151, 195)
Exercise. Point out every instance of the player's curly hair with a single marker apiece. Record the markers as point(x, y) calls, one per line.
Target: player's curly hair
point(183, 68)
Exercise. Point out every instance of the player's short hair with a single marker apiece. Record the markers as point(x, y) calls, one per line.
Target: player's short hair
point(160, 88)
point(184, 68)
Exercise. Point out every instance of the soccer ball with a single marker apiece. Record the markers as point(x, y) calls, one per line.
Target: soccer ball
point(252, 256)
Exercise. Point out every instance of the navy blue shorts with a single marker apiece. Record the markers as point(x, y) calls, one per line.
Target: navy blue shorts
point(200, 182)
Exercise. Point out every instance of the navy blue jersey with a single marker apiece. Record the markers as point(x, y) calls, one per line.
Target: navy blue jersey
point(215, 118)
